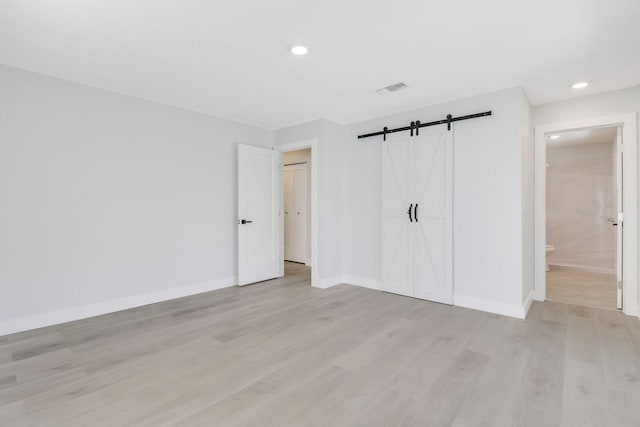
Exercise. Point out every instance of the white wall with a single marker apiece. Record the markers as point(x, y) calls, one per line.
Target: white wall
point(300, 156)
point(109, 201)
point(580, 198)
point(489, 225)
point(330, 193)
point(604, 104)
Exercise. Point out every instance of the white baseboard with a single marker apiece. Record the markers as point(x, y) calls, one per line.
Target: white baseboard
point(527, 303)
point(10, 326)
point(633, 312)
point(583, 268)
point(327, 282)
point(461, 301)
point(517, 311)
point(362, 282)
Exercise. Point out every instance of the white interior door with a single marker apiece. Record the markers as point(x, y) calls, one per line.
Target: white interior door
point(397, 240)
point(289, 206)
point(295, 213)
point(258, 214)
point(620, 219)
point(433, 214)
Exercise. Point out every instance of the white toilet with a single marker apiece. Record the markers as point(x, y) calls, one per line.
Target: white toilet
point(550, 249)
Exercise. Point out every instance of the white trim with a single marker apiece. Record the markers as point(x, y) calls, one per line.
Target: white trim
point(459, 301)
point(363, 283)
point(327, 282)
point(491, 306)
point(527, 303)
point(630, 184)
point(35, 321)
point(315, 167)
point(584, 268)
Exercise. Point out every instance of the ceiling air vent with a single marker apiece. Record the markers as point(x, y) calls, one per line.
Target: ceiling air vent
point(390, 89)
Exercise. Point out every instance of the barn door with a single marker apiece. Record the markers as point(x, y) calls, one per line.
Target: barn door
point(417, 227)
point(433, 202)
point(397, 240)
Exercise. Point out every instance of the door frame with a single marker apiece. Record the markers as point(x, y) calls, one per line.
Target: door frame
point(294, 146)
point(630, 198)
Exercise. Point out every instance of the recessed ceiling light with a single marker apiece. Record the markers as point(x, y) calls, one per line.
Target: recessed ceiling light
point(554, 136)
point(579, 85)
point(298, 49)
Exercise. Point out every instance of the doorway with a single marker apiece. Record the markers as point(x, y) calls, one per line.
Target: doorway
point(620, 223)
point(299, 208)
point(584, 208)
point(261, 214)
point(297, 205)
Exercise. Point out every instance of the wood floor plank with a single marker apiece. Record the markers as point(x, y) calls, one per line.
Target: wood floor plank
point(282, 353)
point(582, 336)
point(389, 408)
point(622, 365)
point(584, 288)
point(441, 404)
point(13, 415)
point(586, 399)
point(493, 398)
point(540, 391)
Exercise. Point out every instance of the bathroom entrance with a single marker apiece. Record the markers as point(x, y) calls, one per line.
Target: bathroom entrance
point(585, 179)
point(583, 218)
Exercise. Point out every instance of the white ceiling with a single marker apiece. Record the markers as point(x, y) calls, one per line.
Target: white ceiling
point(229, 58)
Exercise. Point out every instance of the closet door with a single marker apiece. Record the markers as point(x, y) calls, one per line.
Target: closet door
point(433, 197)
point(397, 240)
point(289, 206)
point(295, 213)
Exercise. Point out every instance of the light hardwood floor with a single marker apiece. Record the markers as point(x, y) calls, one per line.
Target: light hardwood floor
point(582, 288)
point(281, 353)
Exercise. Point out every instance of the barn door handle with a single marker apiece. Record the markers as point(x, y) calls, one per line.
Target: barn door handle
point(415, 212)
point(409, 212)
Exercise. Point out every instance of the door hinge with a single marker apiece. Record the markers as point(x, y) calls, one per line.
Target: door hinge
point(620, 148)
point(619, 284)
